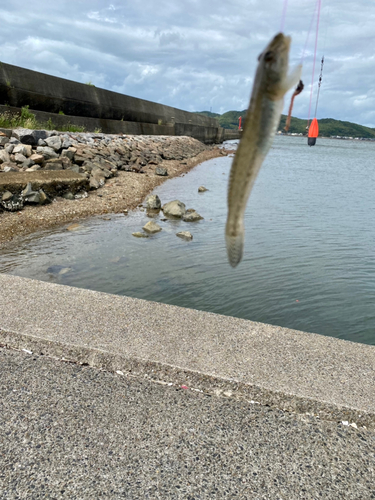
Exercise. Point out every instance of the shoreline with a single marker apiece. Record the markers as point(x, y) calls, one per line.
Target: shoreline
point(121, 193)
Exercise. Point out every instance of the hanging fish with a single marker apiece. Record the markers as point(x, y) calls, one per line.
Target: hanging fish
point(271, 82)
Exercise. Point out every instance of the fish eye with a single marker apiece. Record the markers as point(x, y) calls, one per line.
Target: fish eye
point(268, 56)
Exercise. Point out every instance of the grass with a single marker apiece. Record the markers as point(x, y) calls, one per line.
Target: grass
point(26, 119)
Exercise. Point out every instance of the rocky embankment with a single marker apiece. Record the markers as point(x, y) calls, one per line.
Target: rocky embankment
point(49, 178)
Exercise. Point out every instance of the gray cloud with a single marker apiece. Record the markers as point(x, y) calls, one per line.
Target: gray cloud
point(195, 54)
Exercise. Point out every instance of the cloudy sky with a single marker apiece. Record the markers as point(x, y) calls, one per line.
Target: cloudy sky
point(196, 54)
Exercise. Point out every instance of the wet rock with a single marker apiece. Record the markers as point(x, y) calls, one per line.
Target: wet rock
point(138, 234)
point(202, 189)
point(174, 208)
point(74, 227)
point(153, 202)
point(151, 227)
point(192, 217)
point(161, 171)
point(185, 235)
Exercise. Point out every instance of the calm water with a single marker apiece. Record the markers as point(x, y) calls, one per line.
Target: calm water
point(309, 253)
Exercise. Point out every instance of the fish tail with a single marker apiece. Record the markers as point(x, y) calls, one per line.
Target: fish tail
point(235, 244)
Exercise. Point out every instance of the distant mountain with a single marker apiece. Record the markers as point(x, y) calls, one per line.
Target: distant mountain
point(328, 127)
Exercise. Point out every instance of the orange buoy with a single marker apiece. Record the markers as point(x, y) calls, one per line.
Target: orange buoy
point(313, 132)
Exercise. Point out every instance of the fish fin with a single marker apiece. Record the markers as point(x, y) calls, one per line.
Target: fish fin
point(235, 246)
point(292, 78)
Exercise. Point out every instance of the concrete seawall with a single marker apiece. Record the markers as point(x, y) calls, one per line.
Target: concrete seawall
point(288, 369)
point(93, 107)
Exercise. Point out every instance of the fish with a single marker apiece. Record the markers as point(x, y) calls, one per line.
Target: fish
point(271, 83)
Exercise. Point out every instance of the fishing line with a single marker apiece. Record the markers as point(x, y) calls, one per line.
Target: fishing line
point(283, 16)
point(319, 2)
point(308, 33)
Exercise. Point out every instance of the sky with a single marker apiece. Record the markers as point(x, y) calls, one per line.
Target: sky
point(197, 54)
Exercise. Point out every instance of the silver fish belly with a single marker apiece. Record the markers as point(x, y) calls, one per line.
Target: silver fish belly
point(266, 104)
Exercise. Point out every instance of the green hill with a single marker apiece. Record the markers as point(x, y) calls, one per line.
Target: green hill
point(328, 127)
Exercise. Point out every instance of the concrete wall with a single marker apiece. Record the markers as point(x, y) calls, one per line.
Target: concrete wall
point(49, 94)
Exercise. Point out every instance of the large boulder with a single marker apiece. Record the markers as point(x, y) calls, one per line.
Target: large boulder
point(174, 208)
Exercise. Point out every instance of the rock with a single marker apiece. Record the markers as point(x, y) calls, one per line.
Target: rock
point(47, 152)
point(6, 196)
point(33, 168)
point(185, 235)
point(9, 148)
point(28, 190)
point(4, 156)
point(68, 153)
point(192, 217)
point(28, 163)
point(10, 167)
point(95, 183)
point(14, 204)
point(66, 143)
point(27, 136)
point(3, 140)
point(151, 227)
point(140, 235)
point(37, 158)
point(53, 164)
point(34, 197)
point(54, 142)
point(19, 158)
point(153, 202)
point(161, 171)
point(68, 196)
point(174, 208)
point(20, 148)
point(80, 195)
point(74, 168)
point(202, 189)
point(6, 132)
point(74, 227)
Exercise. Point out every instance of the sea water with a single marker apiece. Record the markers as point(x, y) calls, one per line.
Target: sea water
point(308, 261)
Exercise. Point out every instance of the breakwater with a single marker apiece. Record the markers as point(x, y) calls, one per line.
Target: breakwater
point(92, 107)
